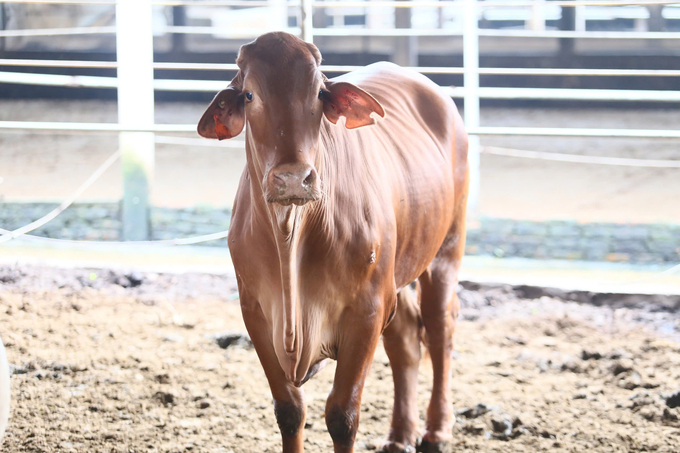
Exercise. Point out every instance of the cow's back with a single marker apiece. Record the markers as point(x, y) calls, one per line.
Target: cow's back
point(405, 166)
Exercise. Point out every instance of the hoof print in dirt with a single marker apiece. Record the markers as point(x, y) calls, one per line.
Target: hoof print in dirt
point(590, 355)
point(165, 398)
point(673, 400)
point(162, 378)
point(506, 427)
point(435, 447)
point(233, 339)
point(474, 412)
point(622, 366)
point(475, 430)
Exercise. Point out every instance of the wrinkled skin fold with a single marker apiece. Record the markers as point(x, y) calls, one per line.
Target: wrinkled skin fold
point(354, 188)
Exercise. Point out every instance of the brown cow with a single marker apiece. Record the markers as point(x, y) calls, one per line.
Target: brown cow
point(332, 223)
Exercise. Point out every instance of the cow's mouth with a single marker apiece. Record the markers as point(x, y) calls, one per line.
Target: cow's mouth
point(298, 201)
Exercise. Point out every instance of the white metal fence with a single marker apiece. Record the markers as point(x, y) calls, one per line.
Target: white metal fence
point(135, 82)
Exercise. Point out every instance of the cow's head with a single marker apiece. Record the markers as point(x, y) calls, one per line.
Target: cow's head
point(282, 96)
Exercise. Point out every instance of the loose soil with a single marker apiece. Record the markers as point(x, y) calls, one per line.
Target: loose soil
point(106, 361)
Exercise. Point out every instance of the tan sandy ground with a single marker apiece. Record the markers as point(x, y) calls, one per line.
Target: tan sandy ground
point(101, 368)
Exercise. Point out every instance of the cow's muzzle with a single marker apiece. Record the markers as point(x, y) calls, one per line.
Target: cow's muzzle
point(295, 183)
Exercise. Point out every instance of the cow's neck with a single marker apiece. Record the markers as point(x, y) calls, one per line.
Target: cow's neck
point(284, 224)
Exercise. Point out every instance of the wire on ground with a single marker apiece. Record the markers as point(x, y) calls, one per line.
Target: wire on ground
point(8, 236)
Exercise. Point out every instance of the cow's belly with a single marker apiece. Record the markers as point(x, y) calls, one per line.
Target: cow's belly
point(423, 219)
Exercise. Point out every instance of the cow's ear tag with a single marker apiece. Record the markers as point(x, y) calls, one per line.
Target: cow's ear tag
point(350, 101)
point(225, 116)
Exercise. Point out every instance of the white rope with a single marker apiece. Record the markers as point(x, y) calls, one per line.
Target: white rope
point(8, 236)
point(185, 141)
point(161, 242)
point(670, 271)
point(600, 160)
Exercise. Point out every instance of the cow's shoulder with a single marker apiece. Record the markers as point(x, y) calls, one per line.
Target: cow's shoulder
point(408, 97)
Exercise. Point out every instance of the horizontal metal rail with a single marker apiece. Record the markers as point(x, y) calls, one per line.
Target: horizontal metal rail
point(581, 159)
point(456, 92)
point(581, 72)
point(397, 4)
point(64, 2)
point(232, 33)
point(107, 82)
point(346, 32)
point(482, 4)
point(348, 68)
point(57, 31)
point(92, 127)
point(34, 126)
point(575, 132)
point(488, 32)
point(569, 94)
point(58, 63)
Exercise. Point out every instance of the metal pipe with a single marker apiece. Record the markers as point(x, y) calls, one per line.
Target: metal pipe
point(455, 92)
point(306, 21)
point(576, 132)
point(348, 68)
point(352, 3)
point(134, 49)
point(578, 34)
point(471, 98)
point(57, 31)
point(33, 126)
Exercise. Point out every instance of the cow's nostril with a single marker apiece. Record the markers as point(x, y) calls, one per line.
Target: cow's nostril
point(278, 180)
point(309, 180)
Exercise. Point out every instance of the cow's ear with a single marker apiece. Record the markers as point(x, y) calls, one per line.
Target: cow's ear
point(225, 116)
point(350, 101)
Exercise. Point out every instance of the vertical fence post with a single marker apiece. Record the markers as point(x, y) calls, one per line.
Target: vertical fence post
point(134, 45)
point(406, 47)
point(471, 82)
point(306, 23)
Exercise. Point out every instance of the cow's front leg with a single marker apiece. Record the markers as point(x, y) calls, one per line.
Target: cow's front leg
point(289, 405)
point(402, 344)
point(356, 346)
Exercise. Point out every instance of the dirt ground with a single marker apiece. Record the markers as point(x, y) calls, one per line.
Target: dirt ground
point(40, 166)
point(112, 362)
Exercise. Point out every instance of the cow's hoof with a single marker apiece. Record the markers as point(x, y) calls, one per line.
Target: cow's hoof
point(396, 447)
point(442, 446)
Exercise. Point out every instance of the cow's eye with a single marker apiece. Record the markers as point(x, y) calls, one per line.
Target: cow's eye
point(221, 103)
point(249, 95)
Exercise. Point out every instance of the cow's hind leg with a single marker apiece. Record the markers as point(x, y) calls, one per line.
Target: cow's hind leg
point(402, 344)
point(439, 310)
